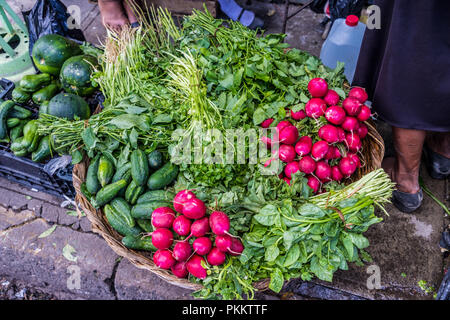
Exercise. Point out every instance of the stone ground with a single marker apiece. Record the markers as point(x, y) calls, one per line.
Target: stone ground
point(47, 252)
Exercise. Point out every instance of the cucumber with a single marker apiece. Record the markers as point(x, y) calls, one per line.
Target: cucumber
point(17, 131)
point(163, 177)
point(19, 112)
point(29, 132)
point(92, 183)
point(155, 160)
point(124, 172)
point(133, 192)
point(43, 150)
point(17, 145)
point(21, 153)
point(140, 170)
point(124, 210)
point(145, 224)
point(33, 82)
point(43, 109)
point(105, 170)
point(118, 224)
point(108, 192)
point(12, 122)
point(34, 145)
point(138, 243)
point(5, 108)
point(46, 93)
point(20, 96)
point(85, 191)
point(144, 210)
point(155, 195)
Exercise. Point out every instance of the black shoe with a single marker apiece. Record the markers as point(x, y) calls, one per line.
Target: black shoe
point(257, 23)
point(407, 202)
point(437, 165)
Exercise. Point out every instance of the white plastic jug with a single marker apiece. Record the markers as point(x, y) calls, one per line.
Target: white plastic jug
point(343, 44)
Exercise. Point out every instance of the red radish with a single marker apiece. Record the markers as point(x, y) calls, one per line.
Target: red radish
point(313, 183)
point(347, 166)
point(200, 227)
point(219, 223)
point(353, 142)
point(352, 106)
point(328, 133)
point(341, 134)
point(267, 141)
point(283, 124)
point(331, 98)
point(194, 209)
point(303, 146)
point(289, 135)
point(163, 217)
point(299, 115)
point(163, 259)
point(286, 153)
point(202, 245)
point(179, 269)
point(319, 149)
point(216, 257)
point(236, 247)
point(266, 123)
point(350, 124)
point(333, 153)
point(291, 167)
point(182, 225)
point(307, 165)
point(323, 171)
point(223, 243)
point(194, 266)
point(317, 87)
point(162, 238)
point(182, 251)
point(355, 158)
point(364, 113)
point(358, 93)
point(180, 198)
point(362, 130)
point(335, 115)
point(336, 174)
point(287, 180)
point(315, 108)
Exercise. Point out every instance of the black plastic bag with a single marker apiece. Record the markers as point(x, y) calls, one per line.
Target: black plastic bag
point(339, 8)
point(49, 17)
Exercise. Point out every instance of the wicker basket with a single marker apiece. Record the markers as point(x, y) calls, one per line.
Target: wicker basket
point(373, 152)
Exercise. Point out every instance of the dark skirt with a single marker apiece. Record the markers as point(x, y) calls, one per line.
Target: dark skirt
point(405, 65)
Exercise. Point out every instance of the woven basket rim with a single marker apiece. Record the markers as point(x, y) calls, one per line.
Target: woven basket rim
point(372, 151)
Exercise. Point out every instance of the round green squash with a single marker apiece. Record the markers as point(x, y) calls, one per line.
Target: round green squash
point(75, 75)
point(68, 105)
point(51, 51)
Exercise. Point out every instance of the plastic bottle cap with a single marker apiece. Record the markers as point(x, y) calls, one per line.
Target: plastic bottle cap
point(352, 20)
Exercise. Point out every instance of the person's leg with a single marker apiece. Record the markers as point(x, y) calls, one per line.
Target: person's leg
point(129, 5)
point(236, 13)
point(439, 142)
point(404, 169)
point(113, 14)
point(437, 154)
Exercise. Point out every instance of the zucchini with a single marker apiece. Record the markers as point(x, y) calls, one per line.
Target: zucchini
point(144, 210)
point(118, 224)
point(46, 93)
point(140, 170)
point(133, 192)
point(33, 82)
point(124, 210)
point(43, 150)
point(163, 177)
point(105, 170)
point(145, 224)
point(5, 108)
point(154, 195)
point(108, 192)
point(92, 183)
point(138, 243)
point(12, 122)
point(19, 112)
point(155, 160)
point(20, 96)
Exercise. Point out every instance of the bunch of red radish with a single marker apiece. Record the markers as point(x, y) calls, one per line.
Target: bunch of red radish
point(186, 256)
point(319, 157)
